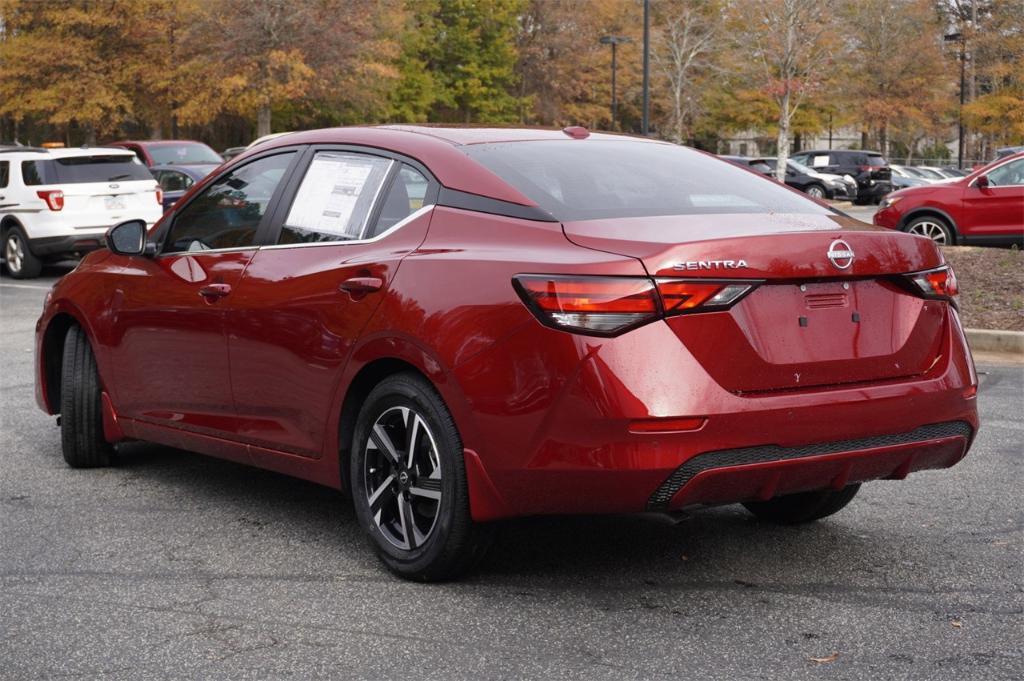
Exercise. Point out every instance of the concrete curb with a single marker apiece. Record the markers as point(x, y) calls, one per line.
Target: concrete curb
point(1003, 342)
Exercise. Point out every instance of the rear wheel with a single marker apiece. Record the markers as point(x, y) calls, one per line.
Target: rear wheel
point(408, 482)
point(81, 408)
point(21, 262)
point(935, 228)
point(803, 507)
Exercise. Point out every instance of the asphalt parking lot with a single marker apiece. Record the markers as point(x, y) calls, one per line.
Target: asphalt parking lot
point(174, 565)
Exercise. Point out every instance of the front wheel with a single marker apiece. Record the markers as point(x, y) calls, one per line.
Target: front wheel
point(81, 407)
point(408, 481)
point(803, 507)
point(816, 191)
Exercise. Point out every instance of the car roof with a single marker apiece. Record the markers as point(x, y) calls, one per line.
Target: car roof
point(437, 147)
point(840, 151)
point(158, 143)
point(72, 152)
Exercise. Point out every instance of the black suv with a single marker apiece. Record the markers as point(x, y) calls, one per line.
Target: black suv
point(868, 168)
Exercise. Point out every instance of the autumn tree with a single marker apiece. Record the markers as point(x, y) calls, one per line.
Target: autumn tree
point(459, 65)
point(895, 74)
point(684, 38)
point(789, 44)
point(72, 63)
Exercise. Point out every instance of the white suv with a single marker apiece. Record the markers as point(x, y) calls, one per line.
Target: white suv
point(57, 203)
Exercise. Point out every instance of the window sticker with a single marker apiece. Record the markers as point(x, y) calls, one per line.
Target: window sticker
point(820, 161)
point(328, 198)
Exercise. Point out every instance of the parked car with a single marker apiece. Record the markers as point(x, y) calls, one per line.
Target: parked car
point(903, 177)
point(1008, 151)
point(957, 172)
point(175, 180)
point(171, 152)
point(569, 323)
point(986, 207)
point(868, 168)
point(811, 182)
point(942, 173)
point(58, 203)
point(231, 152)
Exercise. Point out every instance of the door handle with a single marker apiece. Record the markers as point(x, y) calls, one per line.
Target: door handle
point(362, 284)
point(215, 291)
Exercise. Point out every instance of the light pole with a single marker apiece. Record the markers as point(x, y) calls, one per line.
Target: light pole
point(614, 41)
point(645, 120)
point(951, 38)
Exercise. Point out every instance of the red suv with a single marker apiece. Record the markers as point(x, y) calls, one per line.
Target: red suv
point(986, 207)
point(462, 325)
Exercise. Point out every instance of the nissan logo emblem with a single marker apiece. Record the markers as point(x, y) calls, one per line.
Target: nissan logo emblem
point(840, 253)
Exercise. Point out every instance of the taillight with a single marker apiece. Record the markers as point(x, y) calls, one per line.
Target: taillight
point(54, 198)
point(602, 306)
point(938, 283)
point(679, 296)
point(608, 306)
point(159, 196)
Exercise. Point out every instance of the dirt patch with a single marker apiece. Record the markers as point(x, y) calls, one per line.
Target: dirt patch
point(991, 286)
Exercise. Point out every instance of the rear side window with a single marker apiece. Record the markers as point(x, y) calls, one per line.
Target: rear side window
point(227, 214)
point(36, 172)
point(5, 173)
point(173, 181)
point(113, 168)
point(333, 202)
point(405, 196)
point(599, 179)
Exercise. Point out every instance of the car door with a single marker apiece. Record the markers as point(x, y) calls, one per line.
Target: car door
point(167, 314)
point(997, 209)
point(302, 303)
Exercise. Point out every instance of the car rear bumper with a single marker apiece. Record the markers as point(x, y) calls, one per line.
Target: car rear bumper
point(70, 245)
point(567, 440)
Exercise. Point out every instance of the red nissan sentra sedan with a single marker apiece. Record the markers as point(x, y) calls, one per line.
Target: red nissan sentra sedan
point(462, 325)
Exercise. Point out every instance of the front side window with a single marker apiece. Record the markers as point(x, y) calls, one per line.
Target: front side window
point(227, 214)
point(5, 172)
point(1011, 173)
point(333, 202)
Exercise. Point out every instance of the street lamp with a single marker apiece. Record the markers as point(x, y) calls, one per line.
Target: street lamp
point(614, 41)
point(953, 38)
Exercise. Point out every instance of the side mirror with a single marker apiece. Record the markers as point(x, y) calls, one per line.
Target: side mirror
point(981, 182)
point(127, 238)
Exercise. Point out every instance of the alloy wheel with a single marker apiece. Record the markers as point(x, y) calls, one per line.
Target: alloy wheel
point(402, 472)
point(14, 252)
point(816, 192)
point(930, 229)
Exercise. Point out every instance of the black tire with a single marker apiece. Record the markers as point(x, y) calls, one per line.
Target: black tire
point(816, 191)
point(803, 507)
point(933, 227)
point(453, 544)
point(21, 262)
point(81, 409)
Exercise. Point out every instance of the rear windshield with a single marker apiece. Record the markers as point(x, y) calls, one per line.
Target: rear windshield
point(598, 179)
point(186, 152)
point(81, 169)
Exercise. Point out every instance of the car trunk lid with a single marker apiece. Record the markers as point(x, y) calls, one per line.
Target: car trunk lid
point(829, 309)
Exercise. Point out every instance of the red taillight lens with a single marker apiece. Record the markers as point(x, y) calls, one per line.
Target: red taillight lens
point(937, 283)
point(685, 295)
point(607, 306)
point(54, 198)
point(602, 306)
point(160, 196)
